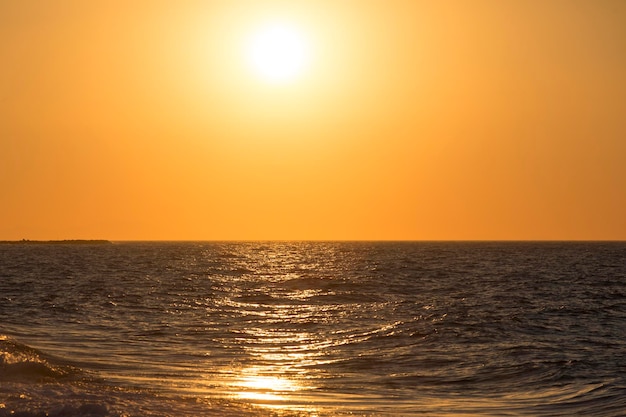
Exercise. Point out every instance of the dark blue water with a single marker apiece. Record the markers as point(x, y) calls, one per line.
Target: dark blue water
point(313, 328)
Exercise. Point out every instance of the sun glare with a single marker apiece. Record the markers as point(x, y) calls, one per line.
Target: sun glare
point(269, 390)
point(278, 53)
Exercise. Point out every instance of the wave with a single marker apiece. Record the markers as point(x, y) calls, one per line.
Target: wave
point(22, 362)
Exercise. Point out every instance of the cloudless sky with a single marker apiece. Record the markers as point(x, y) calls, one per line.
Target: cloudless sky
point(482, 119)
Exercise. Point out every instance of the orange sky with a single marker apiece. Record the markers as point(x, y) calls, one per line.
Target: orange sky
point(414, 120)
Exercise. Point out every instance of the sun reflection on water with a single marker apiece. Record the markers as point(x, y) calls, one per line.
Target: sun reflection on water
point(264, 387)
point(268, 388)
point(279, 376)
point(279, 316)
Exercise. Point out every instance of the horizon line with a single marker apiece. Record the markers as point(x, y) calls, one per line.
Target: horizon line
point(302, 240)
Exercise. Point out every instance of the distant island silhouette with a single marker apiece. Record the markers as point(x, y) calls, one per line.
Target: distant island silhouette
point(57, 242)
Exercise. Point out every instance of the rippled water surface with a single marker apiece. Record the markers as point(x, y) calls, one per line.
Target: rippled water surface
point(312, 328)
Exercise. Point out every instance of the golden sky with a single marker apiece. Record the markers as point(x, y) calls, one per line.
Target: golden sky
point(420, 120)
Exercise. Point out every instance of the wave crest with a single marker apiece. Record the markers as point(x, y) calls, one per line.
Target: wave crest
point(21, 362)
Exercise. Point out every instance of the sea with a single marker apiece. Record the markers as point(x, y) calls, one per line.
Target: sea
point(313, 329)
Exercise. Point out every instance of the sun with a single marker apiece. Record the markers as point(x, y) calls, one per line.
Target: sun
point(278, 53)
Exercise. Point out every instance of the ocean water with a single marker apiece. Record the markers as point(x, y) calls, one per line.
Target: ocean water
point(313, 329)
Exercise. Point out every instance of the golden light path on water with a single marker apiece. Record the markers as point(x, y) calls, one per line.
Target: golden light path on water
point(270, 391)
point(288, 324)
point(280, 373)
point(281, 382)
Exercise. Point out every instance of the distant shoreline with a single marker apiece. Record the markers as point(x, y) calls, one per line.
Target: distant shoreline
point(57, 242)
